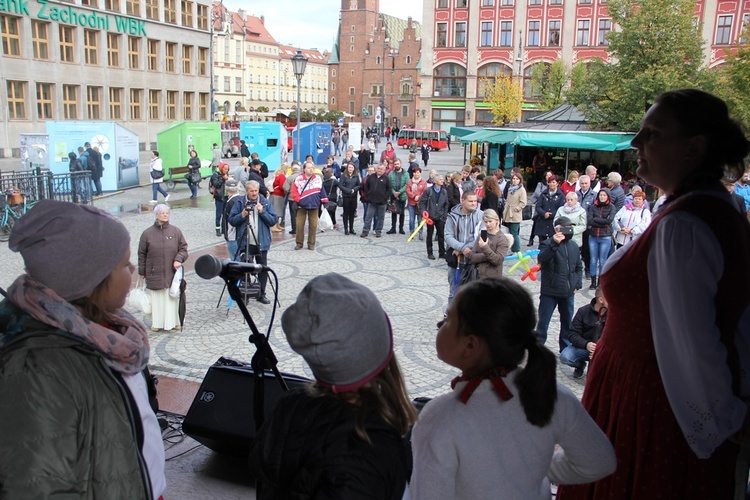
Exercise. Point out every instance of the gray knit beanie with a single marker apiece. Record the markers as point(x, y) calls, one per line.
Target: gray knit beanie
point(69, 248)
point(341, 330)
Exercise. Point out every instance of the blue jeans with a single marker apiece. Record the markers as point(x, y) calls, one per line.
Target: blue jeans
point(514, 228)
point(415, 218)
point(219, 211)
point(575, 357)
point(377, 212)
point(156, 188)
point(97, 185)
point(599, 250)
point(232, 249)
point(193, 189)
point(565, 306)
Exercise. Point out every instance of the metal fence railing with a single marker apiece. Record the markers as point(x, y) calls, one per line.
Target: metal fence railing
point(42, 184)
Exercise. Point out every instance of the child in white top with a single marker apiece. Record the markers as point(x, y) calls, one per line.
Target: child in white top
point(495, 435)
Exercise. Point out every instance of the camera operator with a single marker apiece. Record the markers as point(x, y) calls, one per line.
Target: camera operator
point(253, 215)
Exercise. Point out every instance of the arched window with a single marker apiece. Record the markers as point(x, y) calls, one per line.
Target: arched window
point(408, 59)
point(487, 74)
point(405, 89)
point(530, 92)
point(238, 106)
point(377, 60)
point(449, 81)
point(226, 106)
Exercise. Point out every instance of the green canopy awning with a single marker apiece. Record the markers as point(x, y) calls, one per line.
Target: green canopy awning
point(598, 141)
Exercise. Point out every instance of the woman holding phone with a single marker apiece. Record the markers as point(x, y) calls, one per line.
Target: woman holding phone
point(490, 248)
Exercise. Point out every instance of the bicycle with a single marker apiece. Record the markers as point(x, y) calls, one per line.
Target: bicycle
point(14, 208)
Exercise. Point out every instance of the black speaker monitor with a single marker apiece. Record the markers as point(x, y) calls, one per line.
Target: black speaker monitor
point(221, 416)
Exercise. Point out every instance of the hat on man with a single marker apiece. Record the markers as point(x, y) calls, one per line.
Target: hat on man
point(563, 221)
point(344, 351)
point(69, 248)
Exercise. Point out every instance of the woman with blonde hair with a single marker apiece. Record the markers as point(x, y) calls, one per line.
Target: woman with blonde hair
point(513, 212)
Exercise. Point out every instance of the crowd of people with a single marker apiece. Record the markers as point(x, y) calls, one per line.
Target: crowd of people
point(664, 412)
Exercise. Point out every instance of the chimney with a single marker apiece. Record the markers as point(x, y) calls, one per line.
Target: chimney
point(262, 19)
point(242, 14)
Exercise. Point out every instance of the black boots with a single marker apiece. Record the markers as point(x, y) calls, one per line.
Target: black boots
point(594, 282)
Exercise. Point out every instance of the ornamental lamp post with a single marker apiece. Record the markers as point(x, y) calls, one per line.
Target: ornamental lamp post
point(299, 62)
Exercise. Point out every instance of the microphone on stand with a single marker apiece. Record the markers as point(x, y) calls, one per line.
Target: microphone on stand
point(208, 267)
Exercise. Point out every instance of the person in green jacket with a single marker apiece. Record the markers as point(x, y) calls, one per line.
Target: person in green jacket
point(398, 178)
point(75, 410)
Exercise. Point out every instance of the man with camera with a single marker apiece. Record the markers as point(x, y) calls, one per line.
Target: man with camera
point(253, 217)
point(561, 278)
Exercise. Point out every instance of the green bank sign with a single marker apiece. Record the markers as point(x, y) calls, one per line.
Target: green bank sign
point(69, 15)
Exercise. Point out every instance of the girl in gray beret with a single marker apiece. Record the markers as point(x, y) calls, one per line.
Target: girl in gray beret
point(74, 390)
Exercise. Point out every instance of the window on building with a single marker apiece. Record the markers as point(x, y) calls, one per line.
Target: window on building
point(113, 50)
point(406, 89)
point(555, 2)
point(531, 92)
point(605, 26)
point(488, 3)
point(187, 59)
point(506, 33)
point(238, 84)
point(202, 61)
point(582, 34)
point(115, 103)
point(67, 43)
point(40, 40)
point(506, 3)
point(449, 81)
point(484, 118)
point(133, 7)
point(460, 38)
point(203, 106)
point(442, 4)
point(16, 100)
point(533, 40)
point(444, 119)
point(202, 17)
point(723, 30)
point(226, 49)
point(90, 3)
point(70, 102)
point(745, 28)
point(153, 55)
point(441, 38)
point(584, 2)
point(169, 57)
point(112, 5)
point(187, 105)
point(153, 104)
point(94, 103)
point(461, 4)
point(187, 13)
point(136, 103)
point(487, 74)
point(377, 90)
point(11, 33)
point(90, 46)
point(554, 33)
point(486, 36)
point(134, 52)
point(44, 104)
point(171, 104)
point(238, 52)
point(227, 82)
point(152, 9)
point(170, 11)
point(351, 90)
point(535, 2)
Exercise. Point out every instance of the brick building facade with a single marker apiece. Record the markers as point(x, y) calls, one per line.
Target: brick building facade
point(374, 65)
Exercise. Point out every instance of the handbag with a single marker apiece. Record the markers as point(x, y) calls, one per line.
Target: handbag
point(469, 273)
point(395, 206)
point(325, 223)
point(194, 177)
point(138, 298)
point(157, 174)
point(174, 290)
point(450, 258)
point(527, 212)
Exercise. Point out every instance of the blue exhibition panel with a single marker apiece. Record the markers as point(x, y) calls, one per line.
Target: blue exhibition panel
point(118, 146)
point(315, 139)
point(266, 139)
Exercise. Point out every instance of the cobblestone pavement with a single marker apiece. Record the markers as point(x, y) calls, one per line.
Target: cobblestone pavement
point(412, 289)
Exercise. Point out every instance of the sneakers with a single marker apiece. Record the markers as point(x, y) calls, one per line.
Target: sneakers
point(166, 198)
point(378, 235)
point(391, 231)
point(152, 202)
point(363, 235)
point(578, 372)
point(421, 238)
point(218, 231)
point(264, 300)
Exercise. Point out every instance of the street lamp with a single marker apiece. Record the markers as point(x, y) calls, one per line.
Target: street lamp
point(299, 62)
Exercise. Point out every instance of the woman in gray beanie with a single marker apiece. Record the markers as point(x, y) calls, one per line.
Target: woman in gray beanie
point(342, 437)
point(74, 388)
point(161, 252)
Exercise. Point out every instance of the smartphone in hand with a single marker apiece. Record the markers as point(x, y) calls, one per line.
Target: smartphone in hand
point(483, 234)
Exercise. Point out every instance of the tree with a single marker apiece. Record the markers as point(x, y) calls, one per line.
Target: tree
point(549, 82)
point(655, 48)
point(734, 81)
point(504, 97)
point(262, 109)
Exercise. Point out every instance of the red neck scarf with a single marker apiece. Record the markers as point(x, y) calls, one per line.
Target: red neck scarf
point(494, 375)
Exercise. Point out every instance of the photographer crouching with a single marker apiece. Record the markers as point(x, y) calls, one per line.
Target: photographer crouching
point(253, 217)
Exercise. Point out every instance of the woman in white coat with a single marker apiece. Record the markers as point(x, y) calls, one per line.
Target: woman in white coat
point(156, 171)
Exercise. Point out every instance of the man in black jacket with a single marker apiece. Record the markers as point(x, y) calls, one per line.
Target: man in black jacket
point(377, 188)
point(585, 331)
point(94, 164)
point(365, 159)
point(435, 201)
point(561, 278)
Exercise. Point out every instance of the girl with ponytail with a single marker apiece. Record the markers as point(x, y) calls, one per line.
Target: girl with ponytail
point(495, 435)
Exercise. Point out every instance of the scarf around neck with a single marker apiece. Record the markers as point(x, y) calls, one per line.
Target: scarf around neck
point(570, 210)
point(494, 375)
point(124, 345)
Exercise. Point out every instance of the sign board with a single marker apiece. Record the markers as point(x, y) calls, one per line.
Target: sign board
point(378, 115)
point(341, 121)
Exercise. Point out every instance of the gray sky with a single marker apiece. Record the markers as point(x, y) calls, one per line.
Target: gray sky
point(313, 24)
